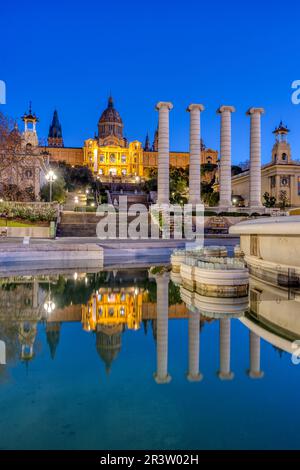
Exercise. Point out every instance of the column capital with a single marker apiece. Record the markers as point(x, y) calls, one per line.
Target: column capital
point(226, 376)
point(224, 108)
point(199, 107)
point(162, 380)
point(194, 378)
point(255, 375)
point(255, 111)
point(164, 104)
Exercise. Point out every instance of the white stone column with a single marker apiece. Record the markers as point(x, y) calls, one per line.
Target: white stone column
point(225, 157)
point(162, 305)
point(255, 197)
point(225, 340)
point(193, 374)
point(195, 154)
point(254, 372)
point(163, 176)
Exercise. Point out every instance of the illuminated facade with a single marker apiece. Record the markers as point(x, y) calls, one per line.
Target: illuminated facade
point(109, 307)
point(109, 154)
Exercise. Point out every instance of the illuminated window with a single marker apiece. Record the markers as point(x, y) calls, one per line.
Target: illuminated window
point(122, 311)
point(100, 312)
point(112, 158)
point(123, 159)
point(102, 158)
point(111, 312)
point(124, 172)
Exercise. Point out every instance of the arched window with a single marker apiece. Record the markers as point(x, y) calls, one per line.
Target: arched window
point(284, 157)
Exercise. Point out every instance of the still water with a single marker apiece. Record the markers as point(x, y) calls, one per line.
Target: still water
point(117, 360)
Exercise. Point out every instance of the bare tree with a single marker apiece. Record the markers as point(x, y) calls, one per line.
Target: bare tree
point(20, 163)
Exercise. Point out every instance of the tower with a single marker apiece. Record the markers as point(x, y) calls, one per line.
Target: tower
point(55, 138)
point(281, 153)
point(155, 141)
point(147, 146)
point(110, 126)
point(30, 135)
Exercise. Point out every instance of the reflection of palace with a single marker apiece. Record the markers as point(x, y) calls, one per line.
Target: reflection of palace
point(273, 315)
point(111, 307)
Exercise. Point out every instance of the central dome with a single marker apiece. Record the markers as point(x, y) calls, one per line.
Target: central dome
point(110, 122)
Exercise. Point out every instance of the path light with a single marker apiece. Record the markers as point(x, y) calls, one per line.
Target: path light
point(51, 177)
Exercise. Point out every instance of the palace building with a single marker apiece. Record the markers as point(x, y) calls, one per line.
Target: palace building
point(109, 154)
point(280, 178)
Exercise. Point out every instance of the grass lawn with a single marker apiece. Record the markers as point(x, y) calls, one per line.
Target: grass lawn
point(15, 223)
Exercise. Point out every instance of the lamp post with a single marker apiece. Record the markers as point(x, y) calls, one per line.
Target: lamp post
point(49, 305)
point(51, 177)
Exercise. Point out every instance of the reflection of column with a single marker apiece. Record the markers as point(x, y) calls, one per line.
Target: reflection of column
point(163, 153)
point(225, 333)
point(225, 157)
point(195, 154)
point(255, 157)
point(255, 372)
point(194, 348)
point(162, 282)
point(35, 292)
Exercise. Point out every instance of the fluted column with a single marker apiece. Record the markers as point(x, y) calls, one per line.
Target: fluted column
point(225, 157)
point(163, 183)
point(193, 374)
point(225, 346)
point(255, 197)
point(255, 372)
point(162, 301)
point(195, 154)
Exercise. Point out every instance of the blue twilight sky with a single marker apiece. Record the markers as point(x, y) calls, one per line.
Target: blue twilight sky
point(69, 55)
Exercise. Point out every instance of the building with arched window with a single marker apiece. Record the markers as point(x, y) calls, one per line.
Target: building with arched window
point(109, 154)
point(280, 178)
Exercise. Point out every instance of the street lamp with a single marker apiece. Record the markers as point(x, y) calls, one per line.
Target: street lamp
point(51, 177)
point(49, 305)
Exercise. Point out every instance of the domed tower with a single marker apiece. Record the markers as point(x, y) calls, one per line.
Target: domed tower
point(110, 127)
point(55, 138)
point(281, 153)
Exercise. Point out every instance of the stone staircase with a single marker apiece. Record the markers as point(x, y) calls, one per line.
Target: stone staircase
point(77, 224)
point(81, 224)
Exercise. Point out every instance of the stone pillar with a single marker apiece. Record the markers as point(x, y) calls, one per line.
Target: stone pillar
point(255, 197)
point(163, 153)
point(225, 333)
point(255, 372)
point(162, 301)
point(195, 154)
point(193, 374)
point(225, 157)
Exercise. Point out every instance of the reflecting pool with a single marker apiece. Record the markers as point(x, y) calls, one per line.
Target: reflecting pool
point(125, 359)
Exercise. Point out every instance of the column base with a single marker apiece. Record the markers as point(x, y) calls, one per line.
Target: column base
point(255, 375)
point(194, 378)
point(162, 380)
point(225, 208)
point(258, 209)
point(226, 376)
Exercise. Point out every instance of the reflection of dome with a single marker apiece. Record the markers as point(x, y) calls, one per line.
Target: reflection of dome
point(108, 343)
point(53, 336)
point(110, 122)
